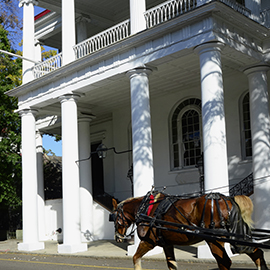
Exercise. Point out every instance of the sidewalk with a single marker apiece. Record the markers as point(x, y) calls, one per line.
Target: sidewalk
point(112, 249)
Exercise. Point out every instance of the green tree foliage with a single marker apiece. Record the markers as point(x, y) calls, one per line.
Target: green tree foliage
point(52, 175)
point(10, 139)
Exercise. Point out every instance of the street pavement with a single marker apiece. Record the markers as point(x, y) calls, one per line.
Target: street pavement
point(114, 250)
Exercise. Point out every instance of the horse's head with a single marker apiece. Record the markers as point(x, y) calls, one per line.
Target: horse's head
point(122, 220)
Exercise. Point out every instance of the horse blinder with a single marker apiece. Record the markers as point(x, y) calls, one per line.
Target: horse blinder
point(112, 217)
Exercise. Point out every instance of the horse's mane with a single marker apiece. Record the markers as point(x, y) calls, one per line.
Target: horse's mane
point(128, 200)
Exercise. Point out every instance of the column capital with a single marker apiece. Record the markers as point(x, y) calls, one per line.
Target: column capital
point(209, 46)
point(139, 71)
point(69, 97)
point(27, 2)
point(83, 117)
point(256, 68)
point(83, 18)
point(24, 112)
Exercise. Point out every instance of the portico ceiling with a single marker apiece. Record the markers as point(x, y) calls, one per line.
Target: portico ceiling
point(179, 72)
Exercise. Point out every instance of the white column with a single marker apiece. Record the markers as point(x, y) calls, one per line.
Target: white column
point(68, 31)
point(213, 118)
point(137, 20)
point(29, 183)
point(70, 177)
point(40, 183)
point(255, 7)
point(143, 173)
point(28, 38)
point(86, 191)
point(260, 130)
point(81, 28)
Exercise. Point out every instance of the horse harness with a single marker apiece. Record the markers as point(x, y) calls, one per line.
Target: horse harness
point(121, 216)
point(165, 201)
point(215, 197)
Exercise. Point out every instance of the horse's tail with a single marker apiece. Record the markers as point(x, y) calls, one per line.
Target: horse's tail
point(246, 207)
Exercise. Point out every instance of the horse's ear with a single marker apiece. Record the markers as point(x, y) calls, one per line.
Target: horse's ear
point(114, 203)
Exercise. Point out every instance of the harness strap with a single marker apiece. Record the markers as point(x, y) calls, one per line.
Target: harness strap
point(215, 197)
point(151, 204)
point(212, 223)
point(202, 223)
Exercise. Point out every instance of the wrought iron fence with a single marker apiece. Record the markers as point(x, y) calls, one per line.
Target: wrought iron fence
point(244, 187)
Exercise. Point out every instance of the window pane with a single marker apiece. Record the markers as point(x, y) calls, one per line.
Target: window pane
point(186, 145)
point(191, 137)
point(247, 143)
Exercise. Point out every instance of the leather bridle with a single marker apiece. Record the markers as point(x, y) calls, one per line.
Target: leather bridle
point(120, 219)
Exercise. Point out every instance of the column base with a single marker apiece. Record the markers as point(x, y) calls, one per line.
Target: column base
point(131, 250)
point(30, 246)
point(72, 248)
point(204, 252)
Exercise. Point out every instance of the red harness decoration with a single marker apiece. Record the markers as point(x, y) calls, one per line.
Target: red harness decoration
point(152, 199)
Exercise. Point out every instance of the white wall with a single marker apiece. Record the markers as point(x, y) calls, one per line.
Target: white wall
point(103, 229)
point(53, 219)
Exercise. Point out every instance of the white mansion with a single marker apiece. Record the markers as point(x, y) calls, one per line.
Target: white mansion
point(171, 80)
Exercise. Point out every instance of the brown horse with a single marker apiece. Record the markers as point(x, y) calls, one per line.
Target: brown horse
point(217, 212)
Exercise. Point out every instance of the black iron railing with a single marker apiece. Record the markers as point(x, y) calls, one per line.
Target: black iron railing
point(244, 187)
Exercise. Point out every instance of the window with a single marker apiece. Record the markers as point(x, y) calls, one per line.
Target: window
point(186, 133)
point(245, 128)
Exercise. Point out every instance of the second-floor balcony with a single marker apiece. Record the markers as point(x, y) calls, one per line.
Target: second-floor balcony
point(154, 16)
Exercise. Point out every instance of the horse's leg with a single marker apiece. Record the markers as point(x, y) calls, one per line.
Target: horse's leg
point(220, 254)
point(258, 258)
point(169, 253)
point(142, 249)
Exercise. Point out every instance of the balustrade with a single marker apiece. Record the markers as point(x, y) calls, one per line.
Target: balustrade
point(154, 16)
point(167, 11)
point(103, 39)
point(47, 66)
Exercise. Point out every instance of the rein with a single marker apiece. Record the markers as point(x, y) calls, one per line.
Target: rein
point(120, 215)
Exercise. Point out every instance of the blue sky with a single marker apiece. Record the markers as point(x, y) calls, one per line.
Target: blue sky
point(50, 144)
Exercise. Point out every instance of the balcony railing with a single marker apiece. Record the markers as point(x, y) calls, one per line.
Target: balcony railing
point(154, 16)
point(47, 66)
point(103, 39)
point(244, 187)
point(237, 7)
point(167, 11)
